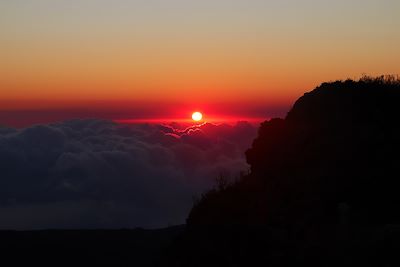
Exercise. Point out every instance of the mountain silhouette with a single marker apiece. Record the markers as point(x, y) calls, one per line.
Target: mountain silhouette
point(323, 189)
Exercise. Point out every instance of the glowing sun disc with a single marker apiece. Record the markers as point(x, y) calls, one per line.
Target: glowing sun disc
point(197, 116)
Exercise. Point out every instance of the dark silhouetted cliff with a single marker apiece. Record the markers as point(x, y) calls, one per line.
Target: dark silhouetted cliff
point(323, 188)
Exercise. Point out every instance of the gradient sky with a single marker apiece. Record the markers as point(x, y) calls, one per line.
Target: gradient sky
point(158, 54)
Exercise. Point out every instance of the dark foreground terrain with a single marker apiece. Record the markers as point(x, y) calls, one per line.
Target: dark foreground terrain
point(85, 247)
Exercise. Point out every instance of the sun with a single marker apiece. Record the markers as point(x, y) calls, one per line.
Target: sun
point(197, 116)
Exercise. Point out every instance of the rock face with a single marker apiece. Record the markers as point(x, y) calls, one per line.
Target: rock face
point(326, 176)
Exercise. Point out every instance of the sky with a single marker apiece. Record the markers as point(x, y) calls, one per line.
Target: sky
point(155, 58)
point(62, 61)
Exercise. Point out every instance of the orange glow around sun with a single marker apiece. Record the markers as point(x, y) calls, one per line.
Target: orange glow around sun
point(197, 116)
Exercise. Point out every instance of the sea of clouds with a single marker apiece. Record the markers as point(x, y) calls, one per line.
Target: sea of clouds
point(101, 174)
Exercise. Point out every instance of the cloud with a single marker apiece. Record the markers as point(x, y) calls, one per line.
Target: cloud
point(100, 174)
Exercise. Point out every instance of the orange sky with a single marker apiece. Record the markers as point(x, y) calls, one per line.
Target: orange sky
point(123, 54)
